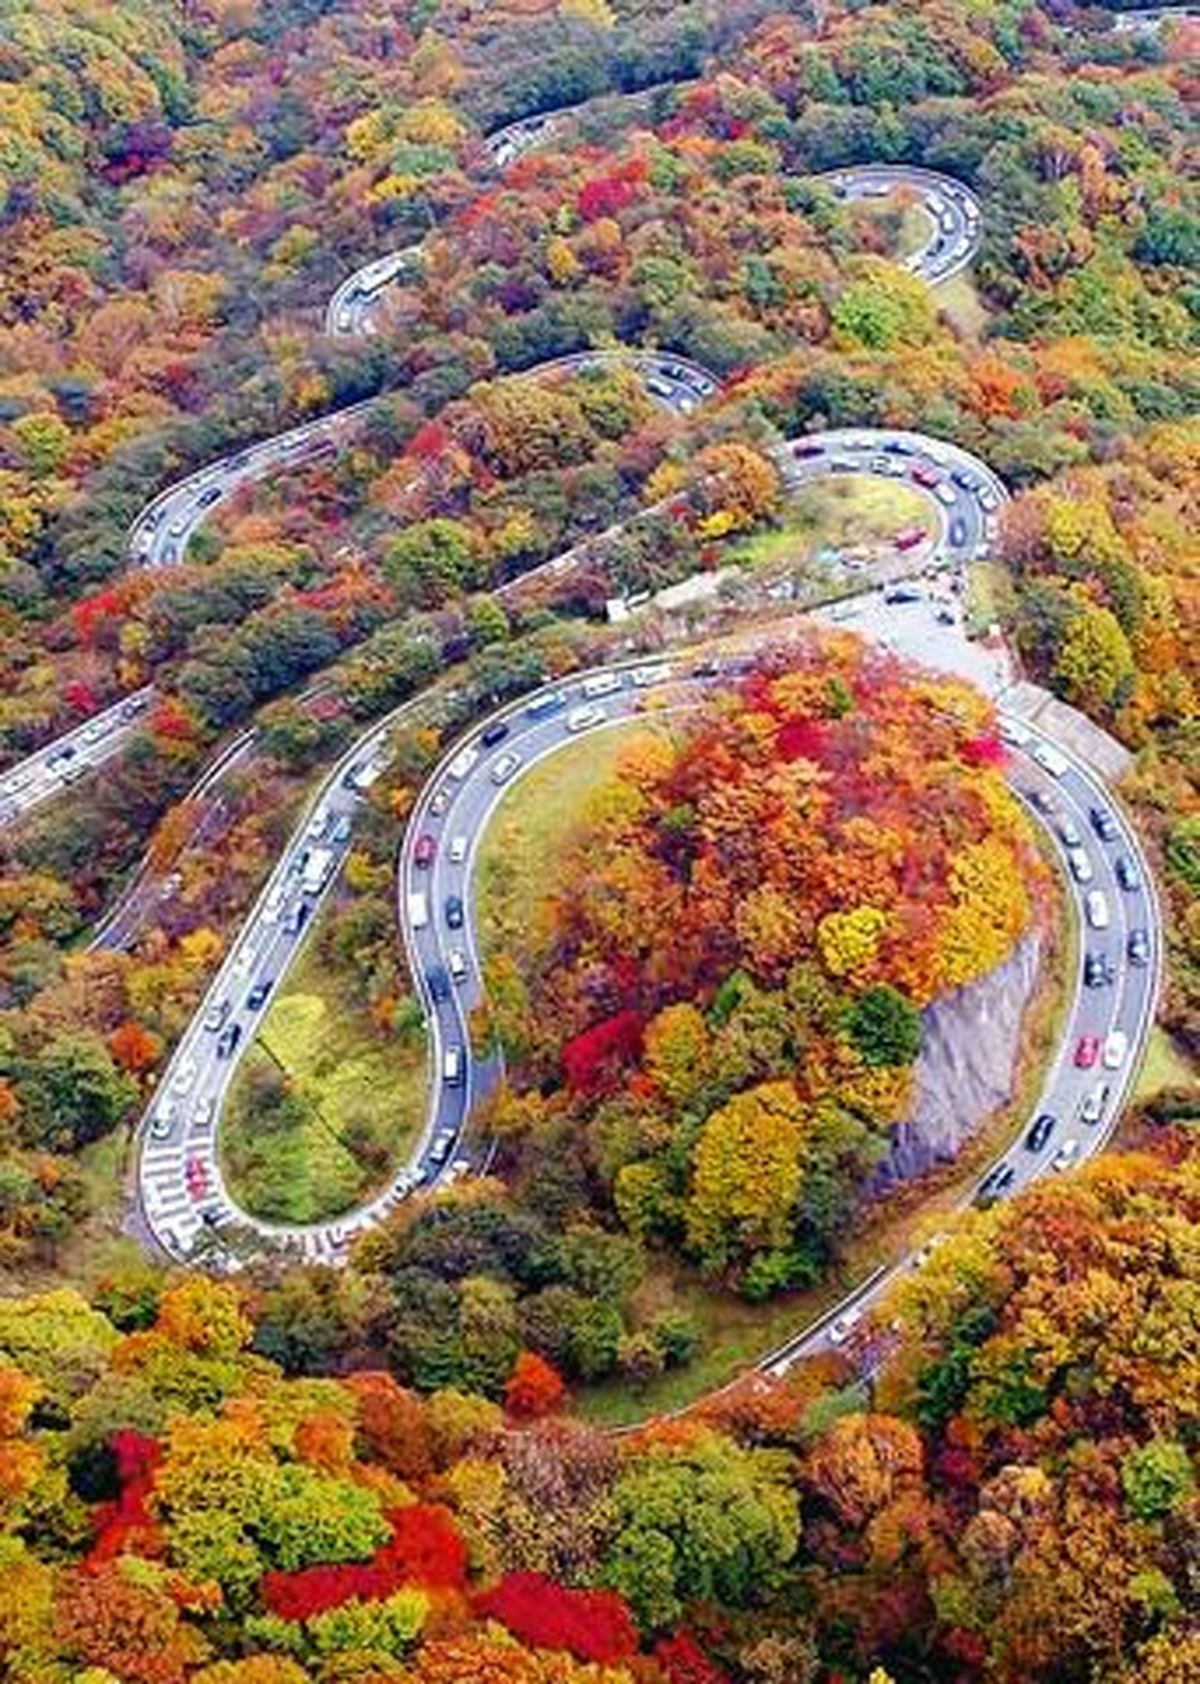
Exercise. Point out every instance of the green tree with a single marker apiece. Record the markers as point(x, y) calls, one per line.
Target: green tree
point(1158, 1478)
point(885, 1026)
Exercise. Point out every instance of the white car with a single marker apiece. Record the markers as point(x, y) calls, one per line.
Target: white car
point(1081, 865)
point(183, 1078)
point(583, 718)
point(206, 1114)
point(1096, 909)
point(841, 1329)
point(505, 767)
point(1116, 1047)
point(456, 963)
point(458, 849)
point(163, 1120)
point(1066, 1155)
point(1050, 760)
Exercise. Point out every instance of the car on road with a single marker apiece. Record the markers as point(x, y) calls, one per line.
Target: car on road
point(805, 450)
point(441, 801)
point(1116, 1049)
point(208, 496)
point(1014, 732)
point(583, 718)
point(457, 961)
point(205, 1114)
point(552, 701)
point(1098, 971)
point(317, 825)
point(423, 853)
point(994, 1184)
point(1127, 874)
point(1087, 1052)
point(1066, 1156)
point(343, 825)
point(458, 849)
point(454, 912)
point(1050, 760)
point(909, 538)
point(452, 1066)
point(1103, 824)
point(296, 917)
point(229, 1038)
point(1138, 947)
point(505, 767)
point(843, 1326)
point(602, 684)
point(258, 994)
point(1095, 908)
point(958, 533)
point(903, 593)
point(494, 734)
point(1094, 1104)
point(214, 1017)
point(1070, 833)
point(1081, 865)
point(184, 1076)
point(439, 983)
point(442, 1142)
point(1040, 1131)
point(164, 1119)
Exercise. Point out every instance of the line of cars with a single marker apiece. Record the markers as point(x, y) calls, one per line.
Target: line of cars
point(952, 208)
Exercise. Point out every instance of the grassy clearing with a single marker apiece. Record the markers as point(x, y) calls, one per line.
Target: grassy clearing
point(916, 230)
point(357, 1099)
point(849, 512)
point(959, 300)
point(989, 595)
point(532, 825)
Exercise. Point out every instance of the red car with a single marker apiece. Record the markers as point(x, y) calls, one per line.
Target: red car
point(1087, 1052)
point(909, 538)
point(424, 851)
point(928, 477)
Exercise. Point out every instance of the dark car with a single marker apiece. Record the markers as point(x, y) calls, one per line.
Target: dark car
point(494, 734)
point(902, 593)
point(297, 917)
point(1103, 824)
point(1040, 1132)
point(209, 496)
point(258, 995)
point(424, 851)
point(958, 532)
point(439, 982)
point(994, 1183)
point(1138, 947)
point(1127, 874)
point(1098, 971)
point(228, 1040)
point(454, 913)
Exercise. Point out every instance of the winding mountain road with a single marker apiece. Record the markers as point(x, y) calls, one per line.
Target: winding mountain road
point(182, 1191)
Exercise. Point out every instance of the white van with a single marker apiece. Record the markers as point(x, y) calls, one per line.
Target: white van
point(452, 1067)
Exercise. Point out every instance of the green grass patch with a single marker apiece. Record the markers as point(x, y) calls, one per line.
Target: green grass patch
point(1164, 1066)
point(989, 596)
point(959, 300)
point(325, 1103)
point(842, 512)
point(916, 230)
point(531, 826)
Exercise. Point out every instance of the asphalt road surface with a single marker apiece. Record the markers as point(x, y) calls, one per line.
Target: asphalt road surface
point(953, 211)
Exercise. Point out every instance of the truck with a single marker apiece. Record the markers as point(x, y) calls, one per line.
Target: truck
point(318, 863)
point(418, 910)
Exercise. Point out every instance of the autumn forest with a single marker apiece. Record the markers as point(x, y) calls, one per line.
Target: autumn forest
point(557, 685)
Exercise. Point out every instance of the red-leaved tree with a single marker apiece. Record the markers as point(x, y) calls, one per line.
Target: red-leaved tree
point(592, 1625)
point(534, 1387)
